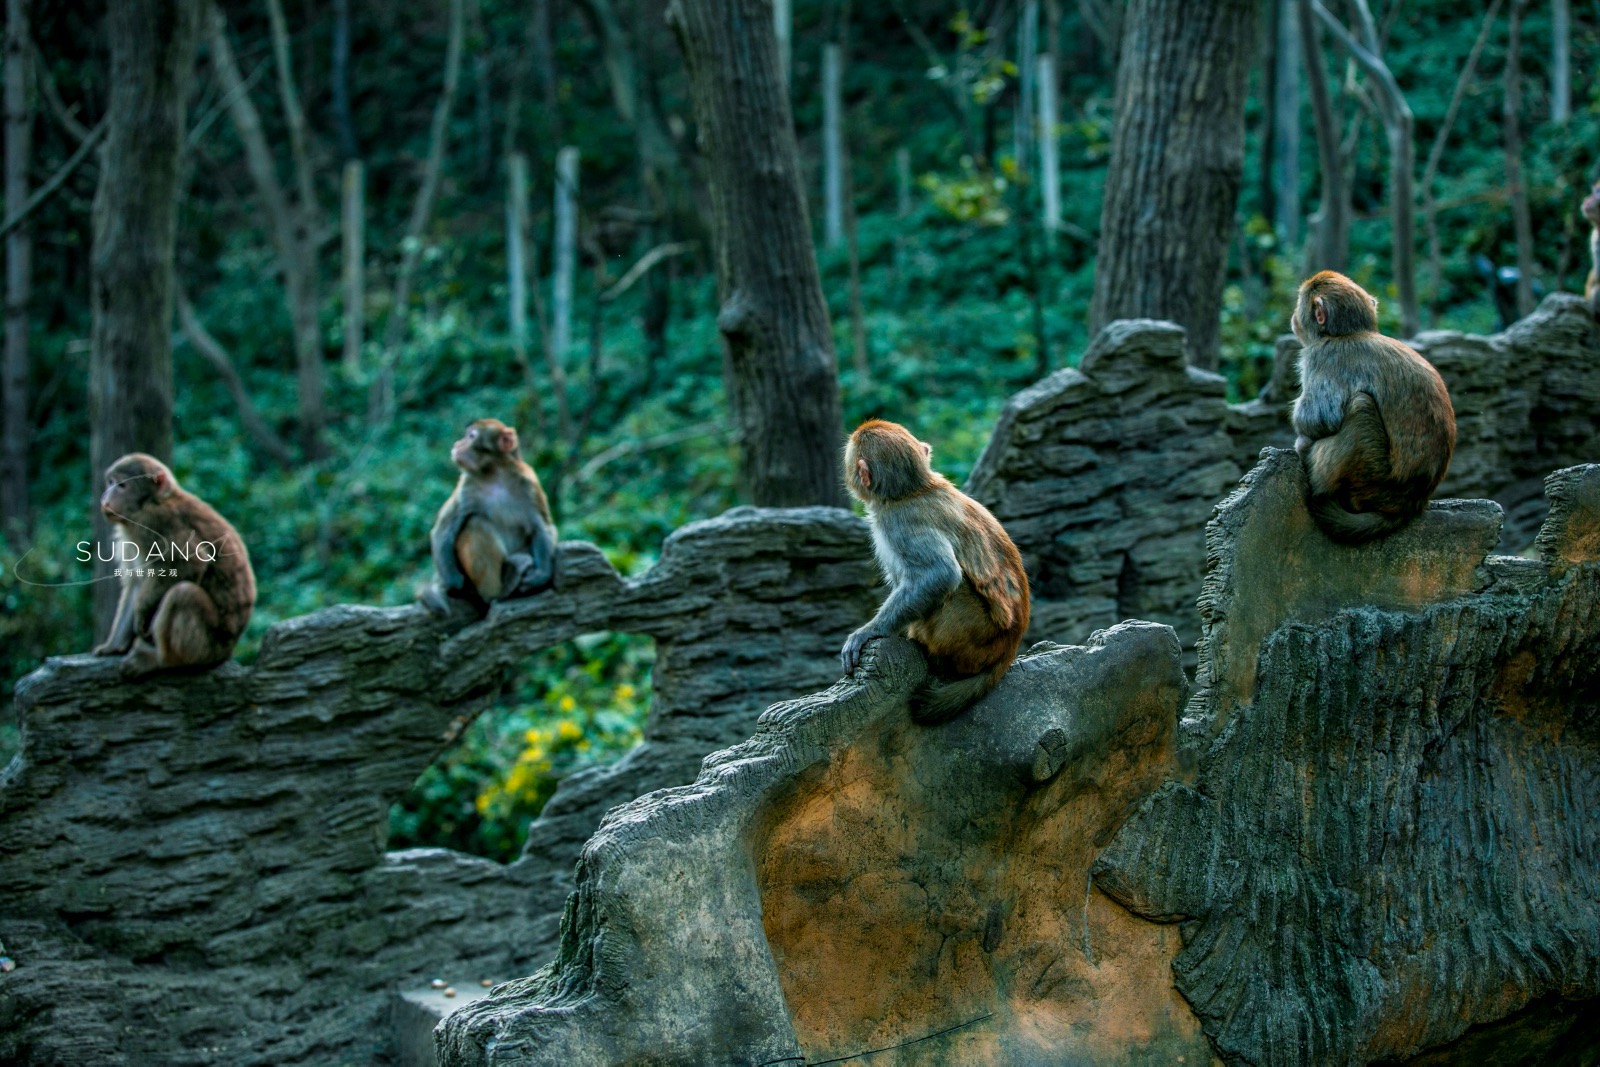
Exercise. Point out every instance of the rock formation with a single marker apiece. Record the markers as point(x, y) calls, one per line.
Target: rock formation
point(1365, 832)
point(1105, 475)
point(193, 866)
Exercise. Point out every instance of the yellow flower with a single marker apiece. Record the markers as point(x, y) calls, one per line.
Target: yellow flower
point(625, 691)
point(567, 703)
point(569, 730)
point(482, 803)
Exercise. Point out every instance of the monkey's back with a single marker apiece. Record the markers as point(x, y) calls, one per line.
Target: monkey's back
point(980, 625)
point(1412, 401)
point(229, 579)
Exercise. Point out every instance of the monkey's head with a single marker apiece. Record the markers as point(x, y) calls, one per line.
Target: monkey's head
point(1332, 305)
point(134, 483)
point(486, 444)
point(883, 461)
point(1591, 206)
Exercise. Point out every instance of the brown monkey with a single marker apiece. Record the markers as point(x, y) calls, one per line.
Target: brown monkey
point(494, 537)
point(1591, 211)
point(957, 586)
point(1374, 422)
point(197, 590)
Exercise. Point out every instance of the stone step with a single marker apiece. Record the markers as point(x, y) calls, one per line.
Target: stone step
point(417, 1011)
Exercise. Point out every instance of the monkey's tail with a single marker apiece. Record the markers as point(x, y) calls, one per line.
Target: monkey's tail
point(937, 700)
point(1356, 527)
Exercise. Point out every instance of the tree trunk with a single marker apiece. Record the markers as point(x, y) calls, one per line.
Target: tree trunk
point(353, 221)
point(1049, 156)
point(340, 77)
point(1331, 248)
point(783, 28)
point(1398, 126)
point(1561, 61)
point(832, 145)
point(1287, 60)
point(1520, 215)
point(564, 267)
point(14, 509)
point(135, 222)
point(1177, 162)
point(782, 380)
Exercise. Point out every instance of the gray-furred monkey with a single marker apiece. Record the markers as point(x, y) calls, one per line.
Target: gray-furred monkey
point(958, 587)
point(1375, 425)
point(494, 537)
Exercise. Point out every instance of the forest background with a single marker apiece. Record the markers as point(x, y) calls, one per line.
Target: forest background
point(952, 278)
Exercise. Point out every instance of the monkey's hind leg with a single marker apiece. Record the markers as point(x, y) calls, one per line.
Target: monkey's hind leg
point(482, 559)
point(183, 634)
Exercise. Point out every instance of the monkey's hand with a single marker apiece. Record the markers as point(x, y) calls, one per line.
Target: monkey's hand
point(850, 655)
point(116, 645)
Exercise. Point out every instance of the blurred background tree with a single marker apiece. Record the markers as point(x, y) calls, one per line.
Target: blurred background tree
point(520, 202)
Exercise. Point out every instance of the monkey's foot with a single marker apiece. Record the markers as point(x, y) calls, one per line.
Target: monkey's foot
point(142, 660)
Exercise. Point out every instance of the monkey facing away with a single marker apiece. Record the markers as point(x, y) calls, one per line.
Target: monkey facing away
point(197, 590)
point(957, 586)
point(1591, 212)
point(1374, 422)
point(494, 537)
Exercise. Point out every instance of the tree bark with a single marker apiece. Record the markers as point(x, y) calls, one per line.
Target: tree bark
point(1049, 156)
point(344, 123)
point(782, 379)
point(1331, 248)
point(14, 507)
point(1177, 162)
point(564, 266)
point(1521, 217)
point(152, 44)
point(832, 145)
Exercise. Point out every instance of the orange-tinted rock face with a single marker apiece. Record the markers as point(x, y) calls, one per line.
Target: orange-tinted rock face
point(920, 882)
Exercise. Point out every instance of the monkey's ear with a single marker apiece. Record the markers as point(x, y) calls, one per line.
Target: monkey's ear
point(508, 440)
point(162, 482)
point(1374, 304)
point(927, 450)
point(864, 474)
point(1319, 310)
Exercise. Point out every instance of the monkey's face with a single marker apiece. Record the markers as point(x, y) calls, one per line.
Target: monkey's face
point(1591, 206)
point(486, 444)
point(134, 483)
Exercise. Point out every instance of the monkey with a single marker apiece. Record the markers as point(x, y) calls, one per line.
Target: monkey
point(1591, 211)
point(494, 537)
point(957, 587)
point(197, 590)
point(1374, 423)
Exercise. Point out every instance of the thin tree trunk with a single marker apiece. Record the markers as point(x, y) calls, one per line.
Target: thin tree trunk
point(564, 268)
point(517, 271)
point(1398, 125)
point(1520, 215)
point(541, 35)
point(1430, 172)
point(1287, 60)
point(382, 400)
point(858, 312)
point(212, 352)
point(1168, 214)
point(1049, 156)
point(902, 172)
point(1023, 134)
point(290, 223)
point(15, 518)
point(152, 44)
point(832, 145)
point(482, 111)
point(344, 123)
point(783, 28)
point(1331, 248)
point(782, 379)
point(353, 223)
point(1561, 61)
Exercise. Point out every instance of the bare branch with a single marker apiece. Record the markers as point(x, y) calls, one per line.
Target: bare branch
point(212, 352)
point(643, 266)
point(292, 113)
point(52, 96)
point(1437, 151)
point(58, 179)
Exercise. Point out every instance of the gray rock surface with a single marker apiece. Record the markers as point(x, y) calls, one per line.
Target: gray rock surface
point(1367, 831)
point(194, 868)
point(1105, 475)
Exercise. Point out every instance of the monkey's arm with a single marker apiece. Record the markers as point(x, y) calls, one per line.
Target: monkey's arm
point(1319, 410)
point(924, 572)
point(446, 529)
point(120, 639)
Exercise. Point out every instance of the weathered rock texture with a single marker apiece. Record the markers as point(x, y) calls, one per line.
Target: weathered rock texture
point(1370, 829)
point(193, 867)
point(1105, 475)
